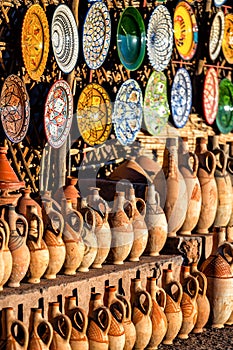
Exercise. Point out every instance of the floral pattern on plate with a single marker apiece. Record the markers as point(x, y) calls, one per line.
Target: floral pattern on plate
point(210, 95)
point(224, 118)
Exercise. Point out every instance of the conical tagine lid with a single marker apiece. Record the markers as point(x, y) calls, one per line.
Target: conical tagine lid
point(8, 178)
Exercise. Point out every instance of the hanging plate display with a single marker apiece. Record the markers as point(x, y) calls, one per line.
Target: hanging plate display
point(58, 113)
point(94, 113)
point(131, 38)
point(219, 2)
point(224, 118)
point(181, 97)
point(156, 108)
point(64, 37)
point(185, 30)
point(96, 35)
point(210, 95)
point(15, 108)
point(35, 41)
point(127, 114)
point(160, 38)
point(216, 35)
point(227, 46)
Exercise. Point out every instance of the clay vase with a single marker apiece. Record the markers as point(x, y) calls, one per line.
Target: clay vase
point(158, 317)
point(203, 304)
point(69, 191)
point(72, 237)
point(54, 226)
point(25, 201)
point(102, 228)
point(17, 245)
point(116, 333)
point(121, 229)
point(156, 223)
point(188, 302)
point(188, 166)
point(174, 293)
point(79, 320)
point(40, 331)
point(209, 192)
point(6, 254)
point(62, 328)
point(39, 253)
point(99, 323)
point(11, 328)
point(141, 309)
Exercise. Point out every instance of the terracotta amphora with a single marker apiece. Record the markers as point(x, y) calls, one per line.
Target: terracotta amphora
point(69, 191)
point(14, 335)
point(174, 293)
point(53, 230)
point(79, 320)
point(98, 324)
point(18, 247)
point(40, 331)
point(203, 304)
point(156, 223)
point(39, 253)
point(102, 228)
point(209, 192)
point(6, 254)
point(25, 201)
point(62, 327)
point(188, 166)
point(141, 309)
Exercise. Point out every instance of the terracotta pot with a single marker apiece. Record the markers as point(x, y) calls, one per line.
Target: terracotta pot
point(69, 191)
point(6, 254)
point(8, 178)
point(40, 331)
point(26, 201)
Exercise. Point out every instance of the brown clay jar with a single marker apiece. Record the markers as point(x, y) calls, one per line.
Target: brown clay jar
point(27, 200)
point(69, 191)
point(40, 331)
point(6, 254)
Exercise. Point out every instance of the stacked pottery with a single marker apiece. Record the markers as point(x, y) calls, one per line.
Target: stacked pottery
point(40, 331)
point(6, 254)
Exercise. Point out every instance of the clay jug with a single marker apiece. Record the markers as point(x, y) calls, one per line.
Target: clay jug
point(72, 237)
point(17, 245)
point(188, 166)
point(39, 253)
point(40, 331)
point(203, 304)
point(79, 320)
point(141, 309)
point(6, 254)
point(14, 332)
point(102, 228)
point(98, 324)
point(121, 229)
point(54, 226)
point(25, 201)
point(69, 191)
point(174, 293)
point(156, 223)
point(209, 193)
point(2, 263)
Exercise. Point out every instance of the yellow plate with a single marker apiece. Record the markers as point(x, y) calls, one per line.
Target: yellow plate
point(227, 43)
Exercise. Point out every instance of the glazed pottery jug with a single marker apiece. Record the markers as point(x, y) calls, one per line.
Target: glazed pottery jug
point(174, 293)
point(102, 228)
point(188, 166)
point(25, 201)
point(98, 324)
point(62, 327)
point(79, 320)
point(141, 309)
point(6, 254)
point(156, 223)
point(121, 229)
point(209, 192)
point(17, 245)
point(39, 253)
point(11, 328)
point(40, 331)
point(69, 191)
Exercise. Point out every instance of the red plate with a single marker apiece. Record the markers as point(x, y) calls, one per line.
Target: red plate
point(210, 95)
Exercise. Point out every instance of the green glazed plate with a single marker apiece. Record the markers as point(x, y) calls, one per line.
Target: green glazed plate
point(224, 118)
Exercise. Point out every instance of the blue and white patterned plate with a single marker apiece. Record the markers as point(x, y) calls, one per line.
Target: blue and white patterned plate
point(218, 3)
point(127, 113)
point(181, 97)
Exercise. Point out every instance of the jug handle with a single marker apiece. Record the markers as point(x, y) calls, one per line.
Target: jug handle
point(60, 321)
point(102, 312)
point(226, 250)
point(230, 165)
point(5, 228)
point(192, 293)
point(222, 163)
point(3, 238)
point(24, 342)
point(161, 297)
point(142, 205)
point(106, 209)
point(86, 219)
point(180, 291)
point(25, 223)
point(126, 302)
point(117, 309)
point(202, 282)
point(80, 320)
point(195, 162)
point(147, 304)
point(128, 209)
point(40, 228)
point(61, 219)
point(80, 217)
point(210, 155)
point(49, 331)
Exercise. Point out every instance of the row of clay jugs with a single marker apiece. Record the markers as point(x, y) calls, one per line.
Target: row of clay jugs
point(6, 264)
point(40, 331)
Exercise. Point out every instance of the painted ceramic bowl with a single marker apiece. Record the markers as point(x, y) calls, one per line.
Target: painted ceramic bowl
point(131, 38)
point(216, 35)
point(160, 38)
point(227, 43)
point(210, 95)
point(224, 118)
point(219, 2)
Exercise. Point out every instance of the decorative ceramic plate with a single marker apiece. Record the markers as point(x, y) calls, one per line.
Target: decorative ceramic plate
point(219, 2)
point(210, 95)
point(181, 97)
point(227, 43)
point(64, 36)
point(128, 110)
point(96, 35)
point(94, 113)
point(160, 38)
point(156, 108)
point(15, 108)
point(185, 30)
point(216, 35)
point(58, 113)
point(131, 38)
point(224, 118)
point(35, 41)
